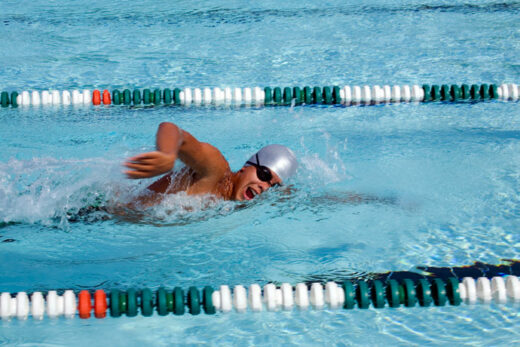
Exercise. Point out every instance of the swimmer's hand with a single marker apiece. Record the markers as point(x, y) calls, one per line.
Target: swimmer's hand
point(149, 164)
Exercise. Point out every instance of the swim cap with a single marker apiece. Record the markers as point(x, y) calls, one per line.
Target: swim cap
point(279, 159)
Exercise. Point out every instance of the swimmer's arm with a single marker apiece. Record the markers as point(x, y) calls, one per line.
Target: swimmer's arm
point(168, 140)
point(173, 143)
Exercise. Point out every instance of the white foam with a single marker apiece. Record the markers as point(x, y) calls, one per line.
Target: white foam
point(318, 168)
point(324, 168)
point(182, 205)
point(50, 190)
point(43, 189)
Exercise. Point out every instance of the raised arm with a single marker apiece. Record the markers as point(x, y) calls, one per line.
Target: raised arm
point(173, 143)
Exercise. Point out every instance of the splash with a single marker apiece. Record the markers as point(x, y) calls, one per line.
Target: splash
point(43, 189)
point(326, 167)
point(57, 192)
point(181, 208)
point(316, 169)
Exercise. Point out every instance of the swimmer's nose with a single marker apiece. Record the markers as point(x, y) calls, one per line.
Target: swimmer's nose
point(263, 187)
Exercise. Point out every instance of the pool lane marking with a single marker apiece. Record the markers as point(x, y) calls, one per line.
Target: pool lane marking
point(332, 295)
point(335, 95)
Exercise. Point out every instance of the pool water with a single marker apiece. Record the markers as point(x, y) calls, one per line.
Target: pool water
point(379, 188)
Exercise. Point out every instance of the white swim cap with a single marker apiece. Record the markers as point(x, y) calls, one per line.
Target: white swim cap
point(279, 159)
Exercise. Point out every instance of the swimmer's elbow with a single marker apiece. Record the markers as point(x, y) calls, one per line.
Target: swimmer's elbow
point(171, 129)
point(168, 125)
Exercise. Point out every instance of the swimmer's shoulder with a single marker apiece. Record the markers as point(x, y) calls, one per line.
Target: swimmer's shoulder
point(220, 166)
point(204, 158)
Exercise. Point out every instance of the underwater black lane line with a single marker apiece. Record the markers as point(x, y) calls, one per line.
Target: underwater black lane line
point(510, 267)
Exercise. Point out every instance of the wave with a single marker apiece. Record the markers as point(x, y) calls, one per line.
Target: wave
point(216, 16)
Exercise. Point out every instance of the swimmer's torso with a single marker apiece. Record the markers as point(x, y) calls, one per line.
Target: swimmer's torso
point(187, 180)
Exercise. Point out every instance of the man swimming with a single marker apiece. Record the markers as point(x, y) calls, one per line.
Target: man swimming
point(207, 171)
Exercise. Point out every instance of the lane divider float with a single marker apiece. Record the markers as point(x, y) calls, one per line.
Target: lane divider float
point(256, 96)
point(347, 295)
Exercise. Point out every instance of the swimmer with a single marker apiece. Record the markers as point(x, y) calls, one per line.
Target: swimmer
point(207, 171)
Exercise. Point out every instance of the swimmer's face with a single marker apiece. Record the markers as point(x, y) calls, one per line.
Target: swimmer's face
point(249, 185)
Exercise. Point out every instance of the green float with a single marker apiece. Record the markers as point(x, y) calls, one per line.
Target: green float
point(327, 95)
point(445, 92)
point(427, 93)
point(336, 95)
point(484, 91)
point(350, 295)
point(207, 300)
point(4, 99)
point(424, 293)
point(123, 302)
point(14, 96)
point(452, 291)
point(178, 301)
point(465, 92)
point(167, 96)
point(307, 95)
point(161, 302)
point(493, 91)
point(194, 300)
point(114, 304)
point(474, 92)
point(436, 93)
point(127, 97)
point(137, 97)
point(147, 97)
point(410, 297)
point(362, 296)
point(116, 97)
point(177, 96)
point(287, 95)
point(378, 294)
point(268, 95)
point(146, 302)
point(392, 293)
point(131, 308)
point(438, 292)
point(455, 92)
point(157, 96)
point(317, 96)
point(298, 96)
point(277, 95)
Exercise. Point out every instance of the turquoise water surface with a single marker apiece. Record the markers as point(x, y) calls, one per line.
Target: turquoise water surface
point(440, 182)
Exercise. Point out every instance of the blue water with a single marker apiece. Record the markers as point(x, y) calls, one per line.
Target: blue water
point(441, 181)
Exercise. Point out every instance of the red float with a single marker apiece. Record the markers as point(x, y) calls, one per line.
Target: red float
point(100, 304)
point(85, 304)
point(106, 97)
point(96, 97)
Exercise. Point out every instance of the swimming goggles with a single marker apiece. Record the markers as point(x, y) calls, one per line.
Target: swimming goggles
point(263, 172)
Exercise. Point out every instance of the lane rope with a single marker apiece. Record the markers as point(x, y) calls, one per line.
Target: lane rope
point(256, 96)
point(347, 295)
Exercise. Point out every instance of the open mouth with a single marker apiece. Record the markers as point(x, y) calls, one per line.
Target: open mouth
point(249, 193)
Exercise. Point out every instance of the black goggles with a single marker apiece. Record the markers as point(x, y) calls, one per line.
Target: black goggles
point(263, 172)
